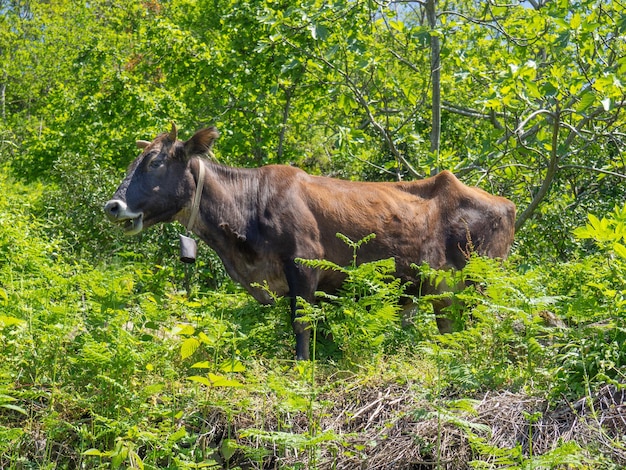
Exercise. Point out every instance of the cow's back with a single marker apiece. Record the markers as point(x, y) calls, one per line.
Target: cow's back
point(437, 220)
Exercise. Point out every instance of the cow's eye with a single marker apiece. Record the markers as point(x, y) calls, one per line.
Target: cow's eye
point(154, 164)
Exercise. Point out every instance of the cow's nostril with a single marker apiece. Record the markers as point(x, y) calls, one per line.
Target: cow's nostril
point(112, 208)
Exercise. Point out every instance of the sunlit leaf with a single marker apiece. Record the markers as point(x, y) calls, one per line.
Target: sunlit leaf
point(178, 435)
point(214, 380)
point(10, 321)
point(232, 365)
point(185, 330)
point(575, 21)
point(94, 452)
point(620, 250)
point(189, 346)
point(204, 338)
point(202, 365)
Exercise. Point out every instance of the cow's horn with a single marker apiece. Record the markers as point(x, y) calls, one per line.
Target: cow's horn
point(173, 133)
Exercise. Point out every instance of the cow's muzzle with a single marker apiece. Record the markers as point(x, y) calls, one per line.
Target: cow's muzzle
point(118, 213)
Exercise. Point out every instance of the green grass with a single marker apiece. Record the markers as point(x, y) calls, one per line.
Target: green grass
point(114, 363)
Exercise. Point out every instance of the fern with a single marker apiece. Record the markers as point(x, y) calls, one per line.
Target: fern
point(365, 312)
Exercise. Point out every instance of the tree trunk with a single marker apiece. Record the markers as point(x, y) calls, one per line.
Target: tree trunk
point(283, 127)
point(435, 75)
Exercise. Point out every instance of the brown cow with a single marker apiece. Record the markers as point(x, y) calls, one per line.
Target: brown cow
point(260, 220)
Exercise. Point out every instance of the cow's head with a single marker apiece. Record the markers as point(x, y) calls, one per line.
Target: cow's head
point(160, 182)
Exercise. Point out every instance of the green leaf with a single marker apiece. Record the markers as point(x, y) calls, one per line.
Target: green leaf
point(232, 365)
point(19, 409)
point(201, 380)
point(292, 64)
point(586, 99)
point(202, 365)
point(189, 346)
point(205, 339)
point(135, 460)
point(533, 89)
point(397, 25)
point(221, 381)
point(330, 53)
point(346, 103)
point(319, 31)
point(549, 89)
point(620, 250)
point(178, 435)
point(466, 405)
point(184, 330)
point(10, 321)
point(228, 448)
point(95, 452)
point(214, 380)
point(153, 389)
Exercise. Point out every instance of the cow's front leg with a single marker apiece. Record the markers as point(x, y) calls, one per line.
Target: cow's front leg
point(302, 283)
point(302, 330)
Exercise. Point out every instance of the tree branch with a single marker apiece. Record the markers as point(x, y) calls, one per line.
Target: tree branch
point(553, 166)
point(364, 105)
point(472, 113)
point(595, 170)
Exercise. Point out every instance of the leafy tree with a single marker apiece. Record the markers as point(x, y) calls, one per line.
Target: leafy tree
point(531, 102)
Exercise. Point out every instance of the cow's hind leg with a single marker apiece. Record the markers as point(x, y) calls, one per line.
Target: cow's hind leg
point(447, 307)
point(442, 316)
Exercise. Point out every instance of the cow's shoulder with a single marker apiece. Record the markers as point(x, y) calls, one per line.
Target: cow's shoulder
point(281, 173)
point(279, 212)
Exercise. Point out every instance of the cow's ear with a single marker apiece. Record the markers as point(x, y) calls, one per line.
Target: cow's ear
point(201, 142)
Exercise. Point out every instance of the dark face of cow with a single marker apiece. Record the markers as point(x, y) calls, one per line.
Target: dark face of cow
point(159, 184)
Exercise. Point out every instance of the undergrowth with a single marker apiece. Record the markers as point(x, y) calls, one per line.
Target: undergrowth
point(125, 363)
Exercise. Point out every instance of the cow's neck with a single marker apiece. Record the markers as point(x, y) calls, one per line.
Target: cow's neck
point(228, 202)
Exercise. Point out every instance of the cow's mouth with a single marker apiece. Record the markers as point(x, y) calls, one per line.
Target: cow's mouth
point(118, 213)
point(131, 226)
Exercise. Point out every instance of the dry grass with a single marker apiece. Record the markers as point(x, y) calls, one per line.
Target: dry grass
point(393, 427)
